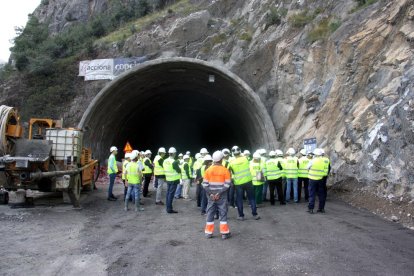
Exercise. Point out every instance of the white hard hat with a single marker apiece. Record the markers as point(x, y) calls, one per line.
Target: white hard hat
point(262, 151)
point(256, 155)
point(172, 150)
point(188, 153)
point(186, 156)
point(198, 155)
point(127, 155)
point(303, 151)
point(148, 152)
point(279, 153)
point(225, 152)
point(134, 154)
point(291, 151)
point(112, 149)
point(162, 150)
point(218, 156)
point(246, 152)
point(236, 150)
point(208, 158)
point(180, 155)
point(317, 152)
point(203, 151)
point(272, 153)
point(322, 151)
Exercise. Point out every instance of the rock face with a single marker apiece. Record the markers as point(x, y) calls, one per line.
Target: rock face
point(352, 88)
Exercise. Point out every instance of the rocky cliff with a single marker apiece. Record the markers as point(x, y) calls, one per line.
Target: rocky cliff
point(323, 68)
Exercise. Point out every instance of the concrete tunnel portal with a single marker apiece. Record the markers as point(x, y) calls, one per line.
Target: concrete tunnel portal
point(181, 102)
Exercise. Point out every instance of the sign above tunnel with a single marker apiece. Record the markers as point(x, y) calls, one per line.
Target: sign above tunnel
point(107, 69)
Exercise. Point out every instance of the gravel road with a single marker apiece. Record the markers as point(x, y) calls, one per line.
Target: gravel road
point(102, 239)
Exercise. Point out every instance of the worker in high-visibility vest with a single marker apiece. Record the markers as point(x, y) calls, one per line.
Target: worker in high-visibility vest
point(290, 168)
point(242, 179)
point(257, 171)
point(197, 176)
point(133, 174)
point(159, 174)
point(274, 177)
point(148, 170)
point(208, 160)
point(263, 159)
point(216, 182)
point(316, 174)
point(112, 172)
point(303, 180)
point(186, 176)
point(172, 175)
point(247, 154)
point(179, 190)
point(125, 162)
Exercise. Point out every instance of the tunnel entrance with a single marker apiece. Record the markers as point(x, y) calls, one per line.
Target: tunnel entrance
point(181, 102)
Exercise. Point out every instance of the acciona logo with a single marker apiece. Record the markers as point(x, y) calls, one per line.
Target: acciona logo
point(98, 67)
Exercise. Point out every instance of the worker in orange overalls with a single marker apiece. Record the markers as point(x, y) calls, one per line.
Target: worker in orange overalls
point(216, 182)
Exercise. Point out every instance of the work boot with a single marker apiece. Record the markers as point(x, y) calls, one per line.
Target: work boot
point(256, 217)
point(321, 211)
point(114, 197)
point(139, 209)
point(225, 236)
point(111, 199)
point(310, 211)
point(159, 203)
point(240, 218)
point(208, 236)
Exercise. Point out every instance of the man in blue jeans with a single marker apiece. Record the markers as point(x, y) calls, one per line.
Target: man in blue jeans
point(173, 175)
point(290, 168)
point(112, 171)
point(242, 179)
point(133, 172)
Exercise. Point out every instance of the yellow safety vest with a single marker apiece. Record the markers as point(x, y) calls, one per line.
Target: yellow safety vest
point(170, 173)
point(111, 160)
point(326, 162)
point(158, 169)
point(255, 168)
point(263, 164)
point(303, 167)
point(147, 170)
point(183, 173)
point(273, 171)
point(124, 169)
point(291, 167)
point(241, 170)
point(317, 170)
point(132, 174)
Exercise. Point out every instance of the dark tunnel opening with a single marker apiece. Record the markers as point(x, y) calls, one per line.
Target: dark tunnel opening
point(180, 102)
point(185, 121)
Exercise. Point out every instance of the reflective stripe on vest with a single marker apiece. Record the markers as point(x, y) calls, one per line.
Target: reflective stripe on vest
point(273, 171)
point(170, 173)
point(255, 168)
point(158, 169)
point(147, 170)
point(183, 172)
point(291, 167)
point(303, 167)
point(132, 175)
point(241, 170)
point(124, 165)
point(317, 170)
point(112, 161)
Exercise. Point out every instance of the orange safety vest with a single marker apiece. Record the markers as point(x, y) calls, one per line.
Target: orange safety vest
point(217, 176)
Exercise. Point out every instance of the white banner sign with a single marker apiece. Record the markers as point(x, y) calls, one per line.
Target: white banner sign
point(99, 69)
point(107, 69)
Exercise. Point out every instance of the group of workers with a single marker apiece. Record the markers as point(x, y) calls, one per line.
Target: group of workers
point(224, 178)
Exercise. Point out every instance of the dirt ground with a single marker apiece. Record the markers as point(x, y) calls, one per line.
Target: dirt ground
point(103, 239)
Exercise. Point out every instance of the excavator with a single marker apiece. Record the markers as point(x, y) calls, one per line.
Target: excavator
point(50, 159)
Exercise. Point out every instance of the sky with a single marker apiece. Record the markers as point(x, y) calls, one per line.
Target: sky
point(13, 13)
